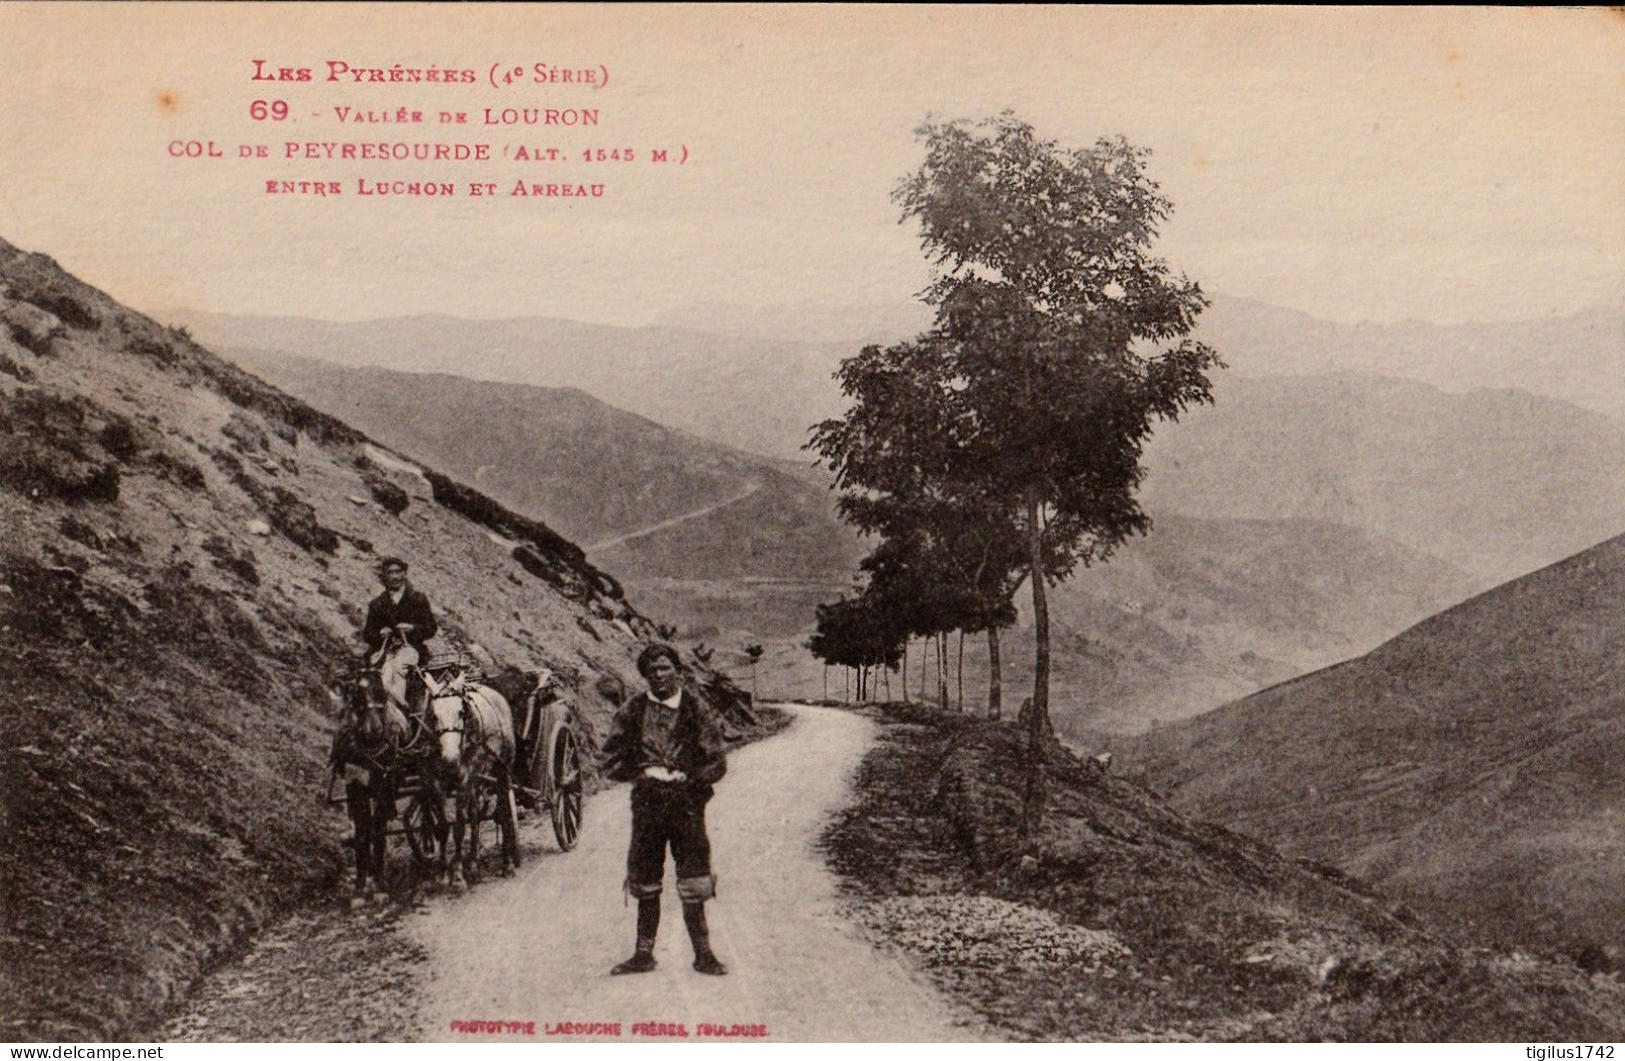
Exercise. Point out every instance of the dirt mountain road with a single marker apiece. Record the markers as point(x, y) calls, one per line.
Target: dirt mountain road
point(642, 532)
point(539, 947)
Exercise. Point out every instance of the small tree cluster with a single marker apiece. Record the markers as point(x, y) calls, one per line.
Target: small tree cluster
point(859, 633)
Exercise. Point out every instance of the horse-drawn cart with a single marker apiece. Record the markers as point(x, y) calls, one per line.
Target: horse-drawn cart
point(438, 775)
point(553, 777)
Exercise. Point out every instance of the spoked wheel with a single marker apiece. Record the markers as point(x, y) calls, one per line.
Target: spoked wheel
point(565, 788)
point(425, 827)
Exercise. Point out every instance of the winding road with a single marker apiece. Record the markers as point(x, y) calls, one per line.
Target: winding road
point(538, 947)
point(598, 547)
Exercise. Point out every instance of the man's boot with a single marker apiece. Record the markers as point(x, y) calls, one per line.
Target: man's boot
point(643, 959)
point(700, 934)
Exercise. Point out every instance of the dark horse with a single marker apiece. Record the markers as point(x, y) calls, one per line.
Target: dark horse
point(376, 744)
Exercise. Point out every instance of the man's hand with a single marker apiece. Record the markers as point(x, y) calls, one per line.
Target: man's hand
point(660, 773)
point(405, 628)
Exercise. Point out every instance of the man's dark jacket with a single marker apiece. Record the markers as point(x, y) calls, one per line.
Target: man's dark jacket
point(383, 614)
point(701, 753)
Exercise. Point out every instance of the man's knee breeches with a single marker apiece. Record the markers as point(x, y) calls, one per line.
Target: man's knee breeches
point(672, 816)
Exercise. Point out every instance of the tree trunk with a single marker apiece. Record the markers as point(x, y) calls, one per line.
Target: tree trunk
point(1038, 717)
point(885, 677)
point(960, 663)
point(903, 673)
point(923, 698)
point(826, 681)
point(995, 676)
point(846, 677)
point(942, 674)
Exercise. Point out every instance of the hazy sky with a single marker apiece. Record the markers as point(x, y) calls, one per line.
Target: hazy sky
point(1362, 164)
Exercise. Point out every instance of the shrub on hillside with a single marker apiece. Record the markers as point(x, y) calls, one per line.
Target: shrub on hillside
point(67, 308)
point(50, 452)
point(392, 498)
point(246, 435)
point(16, 370)
point(297, 521)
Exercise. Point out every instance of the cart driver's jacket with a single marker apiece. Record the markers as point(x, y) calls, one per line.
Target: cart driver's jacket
point(684, 737)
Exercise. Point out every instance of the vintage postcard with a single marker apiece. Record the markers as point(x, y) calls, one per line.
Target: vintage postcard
point(548, 523)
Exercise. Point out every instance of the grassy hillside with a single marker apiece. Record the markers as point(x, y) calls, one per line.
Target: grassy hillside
point(1471, 764)
point(1130, 921)
point(186, 557)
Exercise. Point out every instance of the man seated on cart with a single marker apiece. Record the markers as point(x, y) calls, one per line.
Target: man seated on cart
point(404, 610)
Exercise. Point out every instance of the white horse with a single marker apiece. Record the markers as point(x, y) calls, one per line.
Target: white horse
point(473, 728)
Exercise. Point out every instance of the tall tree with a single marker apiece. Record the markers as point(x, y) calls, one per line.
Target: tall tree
point(1066, 337)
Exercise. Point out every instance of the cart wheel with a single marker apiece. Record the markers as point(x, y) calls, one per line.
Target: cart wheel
point(425, 827)
point(565, 788)
point(508, 822)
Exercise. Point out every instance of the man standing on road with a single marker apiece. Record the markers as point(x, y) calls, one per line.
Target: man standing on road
point(667, 743)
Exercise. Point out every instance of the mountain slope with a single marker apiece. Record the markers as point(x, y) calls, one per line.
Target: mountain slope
point(186, 557)
point(709, 536)
point(1472, 763)
point(1496, 482)
point(586, 468)
point(1202, 611)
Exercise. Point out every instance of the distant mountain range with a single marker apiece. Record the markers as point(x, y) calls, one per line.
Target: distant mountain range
point(1286, 484)
point(1472, 764)
point(843, 325)
point(755, 377)
point(736, 547)
point(1573, 358)
point(753, 394)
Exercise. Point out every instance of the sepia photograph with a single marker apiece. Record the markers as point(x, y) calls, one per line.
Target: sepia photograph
point(563, 523)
